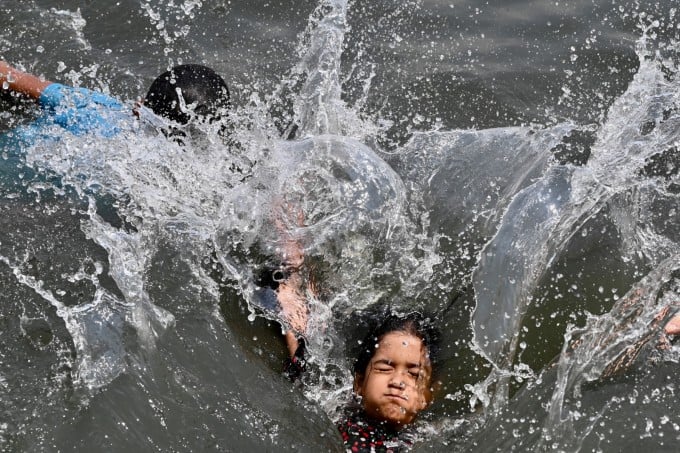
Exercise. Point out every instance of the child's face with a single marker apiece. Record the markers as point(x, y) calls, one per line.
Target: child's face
point(395, 384)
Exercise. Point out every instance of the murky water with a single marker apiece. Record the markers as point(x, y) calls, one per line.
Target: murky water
point(509, 166)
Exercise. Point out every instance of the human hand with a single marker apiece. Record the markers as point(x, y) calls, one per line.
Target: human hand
point(672, 327)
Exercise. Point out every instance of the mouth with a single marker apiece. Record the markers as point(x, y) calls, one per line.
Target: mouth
point(394, 396)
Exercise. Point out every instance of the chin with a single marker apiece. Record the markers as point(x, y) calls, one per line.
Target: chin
point(396, 418)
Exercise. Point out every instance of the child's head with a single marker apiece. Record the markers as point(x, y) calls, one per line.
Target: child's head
point(393, 371)
point(201, 89)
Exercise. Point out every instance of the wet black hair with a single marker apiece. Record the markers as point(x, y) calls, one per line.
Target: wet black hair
point(198, 85)
point(414, 323)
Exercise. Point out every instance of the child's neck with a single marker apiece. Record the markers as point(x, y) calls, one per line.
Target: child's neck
point(382, 423)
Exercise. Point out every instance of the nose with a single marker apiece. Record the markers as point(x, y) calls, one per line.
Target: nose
point(397, 382)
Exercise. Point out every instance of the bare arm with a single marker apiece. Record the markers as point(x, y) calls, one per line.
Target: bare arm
point(21, 82)
point(291, 291)
point(293, 309)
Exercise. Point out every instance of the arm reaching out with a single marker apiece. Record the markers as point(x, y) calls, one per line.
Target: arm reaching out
point(21, 82)
point(293, 301)
point(293, 291)
point(293, 310)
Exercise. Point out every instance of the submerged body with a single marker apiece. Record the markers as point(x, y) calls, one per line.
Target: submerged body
point(361, 433)
point(181, 94)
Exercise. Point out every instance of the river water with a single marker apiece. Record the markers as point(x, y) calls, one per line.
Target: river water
point(509, 166)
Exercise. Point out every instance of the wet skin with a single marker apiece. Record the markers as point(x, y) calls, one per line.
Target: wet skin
point(673, 326)
point(395, 385)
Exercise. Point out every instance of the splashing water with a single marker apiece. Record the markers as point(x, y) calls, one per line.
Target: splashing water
point(493, 210)
point(621, 178)
point(207, 197)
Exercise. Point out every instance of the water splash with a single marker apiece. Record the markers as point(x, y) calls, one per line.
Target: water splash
point(606, 346)
point(95, 328)
point(542, 219)
point(378, 234)
point(210, 197)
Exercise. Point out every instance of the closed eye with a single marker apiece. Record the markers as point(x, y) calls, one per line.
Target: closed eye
point(383, 365)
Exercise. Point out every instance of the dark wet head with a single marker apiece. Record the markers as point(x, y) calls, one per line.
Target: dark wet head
point(413, 323)
point(188, 91)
